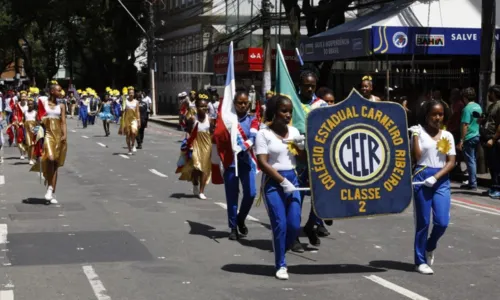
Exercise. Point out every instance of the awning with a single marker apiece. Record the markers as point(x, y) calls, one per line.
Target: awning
point(403, 27)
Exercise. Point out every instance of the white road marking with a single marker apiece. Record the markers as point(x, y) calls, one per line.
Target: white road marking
point(85, 137)
point(396, 288)
point(73, 130)
point(102, 145)
point(157, 173)
point(95, 283)
point(7, 295)
point(2, 179)
point(476, 209)
point(3, 234)
point(124, 156)
point(249, 217)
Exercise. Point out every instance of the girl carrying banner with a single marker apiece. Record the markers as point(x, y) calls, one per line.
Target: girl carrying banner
point(433, 150)
point(280, 181)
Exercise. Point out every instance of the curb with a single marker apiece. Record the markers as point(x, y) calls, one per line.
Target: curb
point(483, 182)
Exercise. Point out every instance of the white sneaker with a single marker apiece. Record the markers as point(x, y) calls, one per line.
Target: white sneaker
point(202, 196)
point(282, 274)
point(424, 269)
point(130, 153)
point(196, 190)
point(430, 257)
point(48, 195)
point(32, 162)
point(53, 200)
point(1, 159)
point(134, 149)
point(22, 157)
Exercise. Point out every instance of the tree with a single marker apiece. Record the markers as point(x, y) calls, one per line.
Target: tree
point(326, 15)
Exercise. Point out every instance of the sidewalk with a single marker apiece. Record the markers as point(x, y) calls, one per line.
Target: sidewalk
point(166, 120)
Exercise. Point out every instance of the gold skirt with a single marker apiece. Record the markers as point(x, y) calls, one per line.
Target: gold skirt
point(202, 153)
point(29, 139)
point(53, 148)
point(128, 124)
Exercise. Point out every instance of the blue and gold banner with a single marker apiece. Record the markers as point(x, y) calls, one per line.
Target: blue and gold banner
point(428, 40)
point(359, 160)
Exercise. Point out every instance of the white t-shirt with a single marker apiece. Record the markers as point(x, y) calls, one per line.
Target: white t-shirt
point(431, 157)
point(278, 155)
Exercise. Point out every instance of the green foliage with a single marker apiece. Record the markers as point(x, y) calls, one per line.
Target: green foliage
point(97, 38)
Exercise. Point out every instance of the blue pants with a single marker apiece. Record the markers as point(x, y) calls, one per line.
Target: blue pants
point(437, 198)
point(470, 147)
point(232, 187)
point(284, 213)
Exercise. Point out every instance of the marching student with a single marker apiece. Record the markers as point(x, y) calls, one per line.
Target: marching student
point(144, 112)
point(314, 227)
point(433, 150)
point(53, 156)
point(105, 114)
point(199, 166)
point(30, 123)
point(279, 182)
point(247, 171)
point(131, 120)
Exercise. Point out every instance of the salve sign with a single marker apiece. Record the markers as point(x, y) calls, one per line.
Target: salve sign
point(359, 160)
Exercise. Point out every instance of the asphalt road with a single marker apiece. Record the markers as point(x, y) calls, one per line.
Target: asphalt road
point(127, 229)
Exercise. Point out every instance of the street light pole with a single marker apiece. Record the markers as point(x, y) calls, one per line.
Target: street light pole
point(151, 56)
point(266, 35)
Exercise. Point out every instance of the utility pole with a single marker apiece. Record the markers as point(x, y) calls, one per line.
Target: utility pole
point(488, 43)
point(487, 63)
point(266, 30)
point(151, 55)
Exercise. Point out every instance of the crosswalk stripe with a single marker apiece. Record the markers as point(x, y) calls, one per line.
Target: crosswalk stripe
point(96, 284)
point(7, 295)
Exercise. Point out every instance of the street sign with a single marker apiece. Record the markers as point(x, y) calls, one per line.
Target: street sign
point(359, 160)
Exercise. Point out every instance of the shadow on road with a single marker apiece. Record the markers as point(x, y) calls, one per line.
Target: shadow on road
point(206, 230)
point(265, 245)
point(268, 270)
point(183, 196)
point(393, 265)
point(20, 163)
point(35, 201)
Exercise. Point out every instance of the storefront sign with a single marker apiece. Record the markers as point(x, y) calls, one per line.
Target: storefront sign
point(431, 41)
point(252, 60)
point(337, 46)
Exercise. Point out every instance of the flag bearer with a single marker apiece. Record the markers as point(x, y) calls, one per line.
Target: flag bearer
point(247, 168)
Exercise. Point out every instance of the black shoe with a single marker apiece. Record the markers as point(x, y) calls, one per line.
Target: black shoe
point(312, 236)
point(139, 146)
point(233, 235)
point(321, 231)
point(297, 247)
point(242, 228)
point(468, 187)
point(329, 222)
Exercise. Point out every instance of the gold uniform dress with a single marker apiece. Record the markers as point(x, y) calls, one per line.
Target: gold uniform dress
point(202, 152)
point(129, 122)
point(29, 124)
point(54, 149)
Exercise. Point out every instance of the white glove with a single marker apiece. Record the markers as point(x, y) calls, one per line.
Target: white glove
point(287, 186)
point(299, 139)
point(430, 182)
point(301, 145)
point(415, 129)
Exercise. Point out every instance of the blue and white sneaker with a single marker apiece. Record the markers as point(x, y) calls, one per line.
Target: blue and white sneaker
point(495, 194)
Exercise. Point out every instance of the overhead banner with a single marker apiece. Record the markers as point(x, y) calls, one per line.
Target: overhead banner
point(427, 40)
point(359, 160)
point(337, 46)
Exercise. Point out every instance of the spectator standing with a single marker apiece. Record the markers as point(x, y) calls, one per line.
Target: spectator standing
point(490, 134)
point(469, 138)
